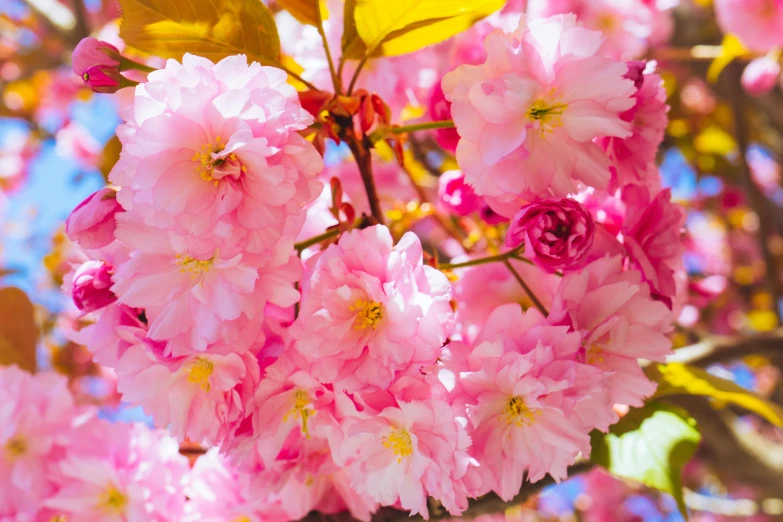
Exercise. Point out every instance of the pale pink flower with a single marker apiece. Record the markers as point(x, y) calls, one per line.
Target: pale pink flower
point(633, 157)
point(120, 473)
point(758, 23)
point(761, 75)
point(652, 235)
point(527, 116)
point(92, 223)
point(193, 301)
point(619, 321)
point(528, 400)
point(92, 286)
point(557, 233)
point(404, 454)
point(370, 309)
point(211, 150)
point(36, 421)
point(75, 142)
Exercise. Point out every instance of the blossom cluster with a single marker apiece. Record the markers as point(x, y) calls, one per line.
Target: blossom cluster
point(363, 374)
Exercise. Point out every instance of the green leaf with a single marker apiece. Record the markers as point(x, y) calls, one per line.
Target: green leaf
point(213, 29)
point(650, 445)
point(682, 379)
point(353, 46)
point(310, 12)
point(402, 26)
point(18, 330)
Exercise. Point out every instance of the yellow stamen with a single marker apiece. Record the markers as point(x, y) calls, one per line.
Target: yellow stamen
point(399, 441)
point(112, 501)
point(594, 355)
point(369, 314)
point(16, 447)
point(242, 519)
point(302, 409)
point(517, 412)
point(206, 163)
point(199, 372)
point(196, 267)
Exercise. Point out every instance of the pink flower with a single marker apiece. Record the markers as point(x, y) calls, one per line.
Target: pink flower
point(761, 75)
point(634, 156)
point(405, 454)
point(371, 310)
point(121, 472)
point(524, 393)
point(95, 61)
point(92, 286)
point(211, 152)
point(76, 142)
point(36, 421)
point(456, 196)
point(193, 301)
point(440, 109)
point(527, 117)
point(619, 321)
point(758, 23)
point(557, 234)
point(652, 235)
point(91, 224)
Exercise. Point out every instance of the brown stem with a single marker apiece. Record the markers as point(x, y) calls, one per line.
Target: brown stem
point(539, 305)
point(758, 200)
point(363, 157)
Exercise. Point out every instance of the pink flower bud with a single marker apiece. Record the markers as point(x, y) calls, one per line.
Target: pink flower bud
point(760, 76)
point(440, 109)
point(455, 196)
point(92, 286)
point(92, 222)
point(98, 64)
point(557, 233)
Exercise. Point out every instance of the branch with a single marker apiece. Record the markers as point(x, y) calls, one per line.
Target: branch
point(443, 124)
point(715, 350)
point(527, 289)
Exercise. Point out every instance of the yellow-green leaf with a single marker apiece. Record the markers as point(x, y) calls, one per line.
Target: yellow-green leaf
point(213, 29)
point(682, 379)
point(353, 46)
point(397, 27)
point(18, 331)
point(310, 12)
point(650, 445)
point(731, 49)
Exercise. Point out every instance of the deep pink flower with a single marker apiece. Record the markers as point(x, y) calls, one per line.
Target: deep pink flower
point(761, 75)
point(95, 61)
point(370, 310)
point(456, 196)
point(652, 235)
point(557, 233)
point(528, 116)
point(619, 321)
point(91, 224)
point(92, 286)
point(440, 109)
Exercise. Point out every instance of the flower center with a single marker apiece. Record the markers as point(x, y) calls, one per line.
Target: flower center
point(606, 23)
point(302, 409)
point(545, 114)
point(196, 267)
point(400, 443)
point(199, 372)
point(112, 501)
point(207, 164)
point(516, 412)
point(16, 447)
point(369, 313)
point(594, 355)
point(243, 518)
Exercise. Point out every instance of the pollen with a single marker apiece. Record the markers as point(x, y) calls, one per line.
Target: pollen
point(546, 113)
point(199, 372)
point(594, 354)
point(195, 267)
point(399, 441)
point(112, 501)
point(302, 409)
point(206, 163)
point(517, 412)
point(369, 313)
point(16, 447)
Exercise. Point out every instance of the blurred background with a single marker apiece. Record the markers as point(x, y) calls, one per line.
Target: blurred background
point(721, 158)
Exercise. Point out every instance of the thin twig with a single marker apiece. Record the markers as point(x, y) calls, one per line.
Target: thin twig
point(317, 239)
point(478, 261)
point(336, 80)
point(530, 293)
point(442, 124)
point(298, 78)
point(359, 67)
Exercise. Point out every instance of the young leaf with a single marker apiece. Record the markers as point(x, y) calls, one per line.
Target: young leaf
point(404, 26)
point(309, 12)
point(213, 29)
point(682, 379)
point(731, 49)
point(353, 46)
point(18, 331)
point(650, 445)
